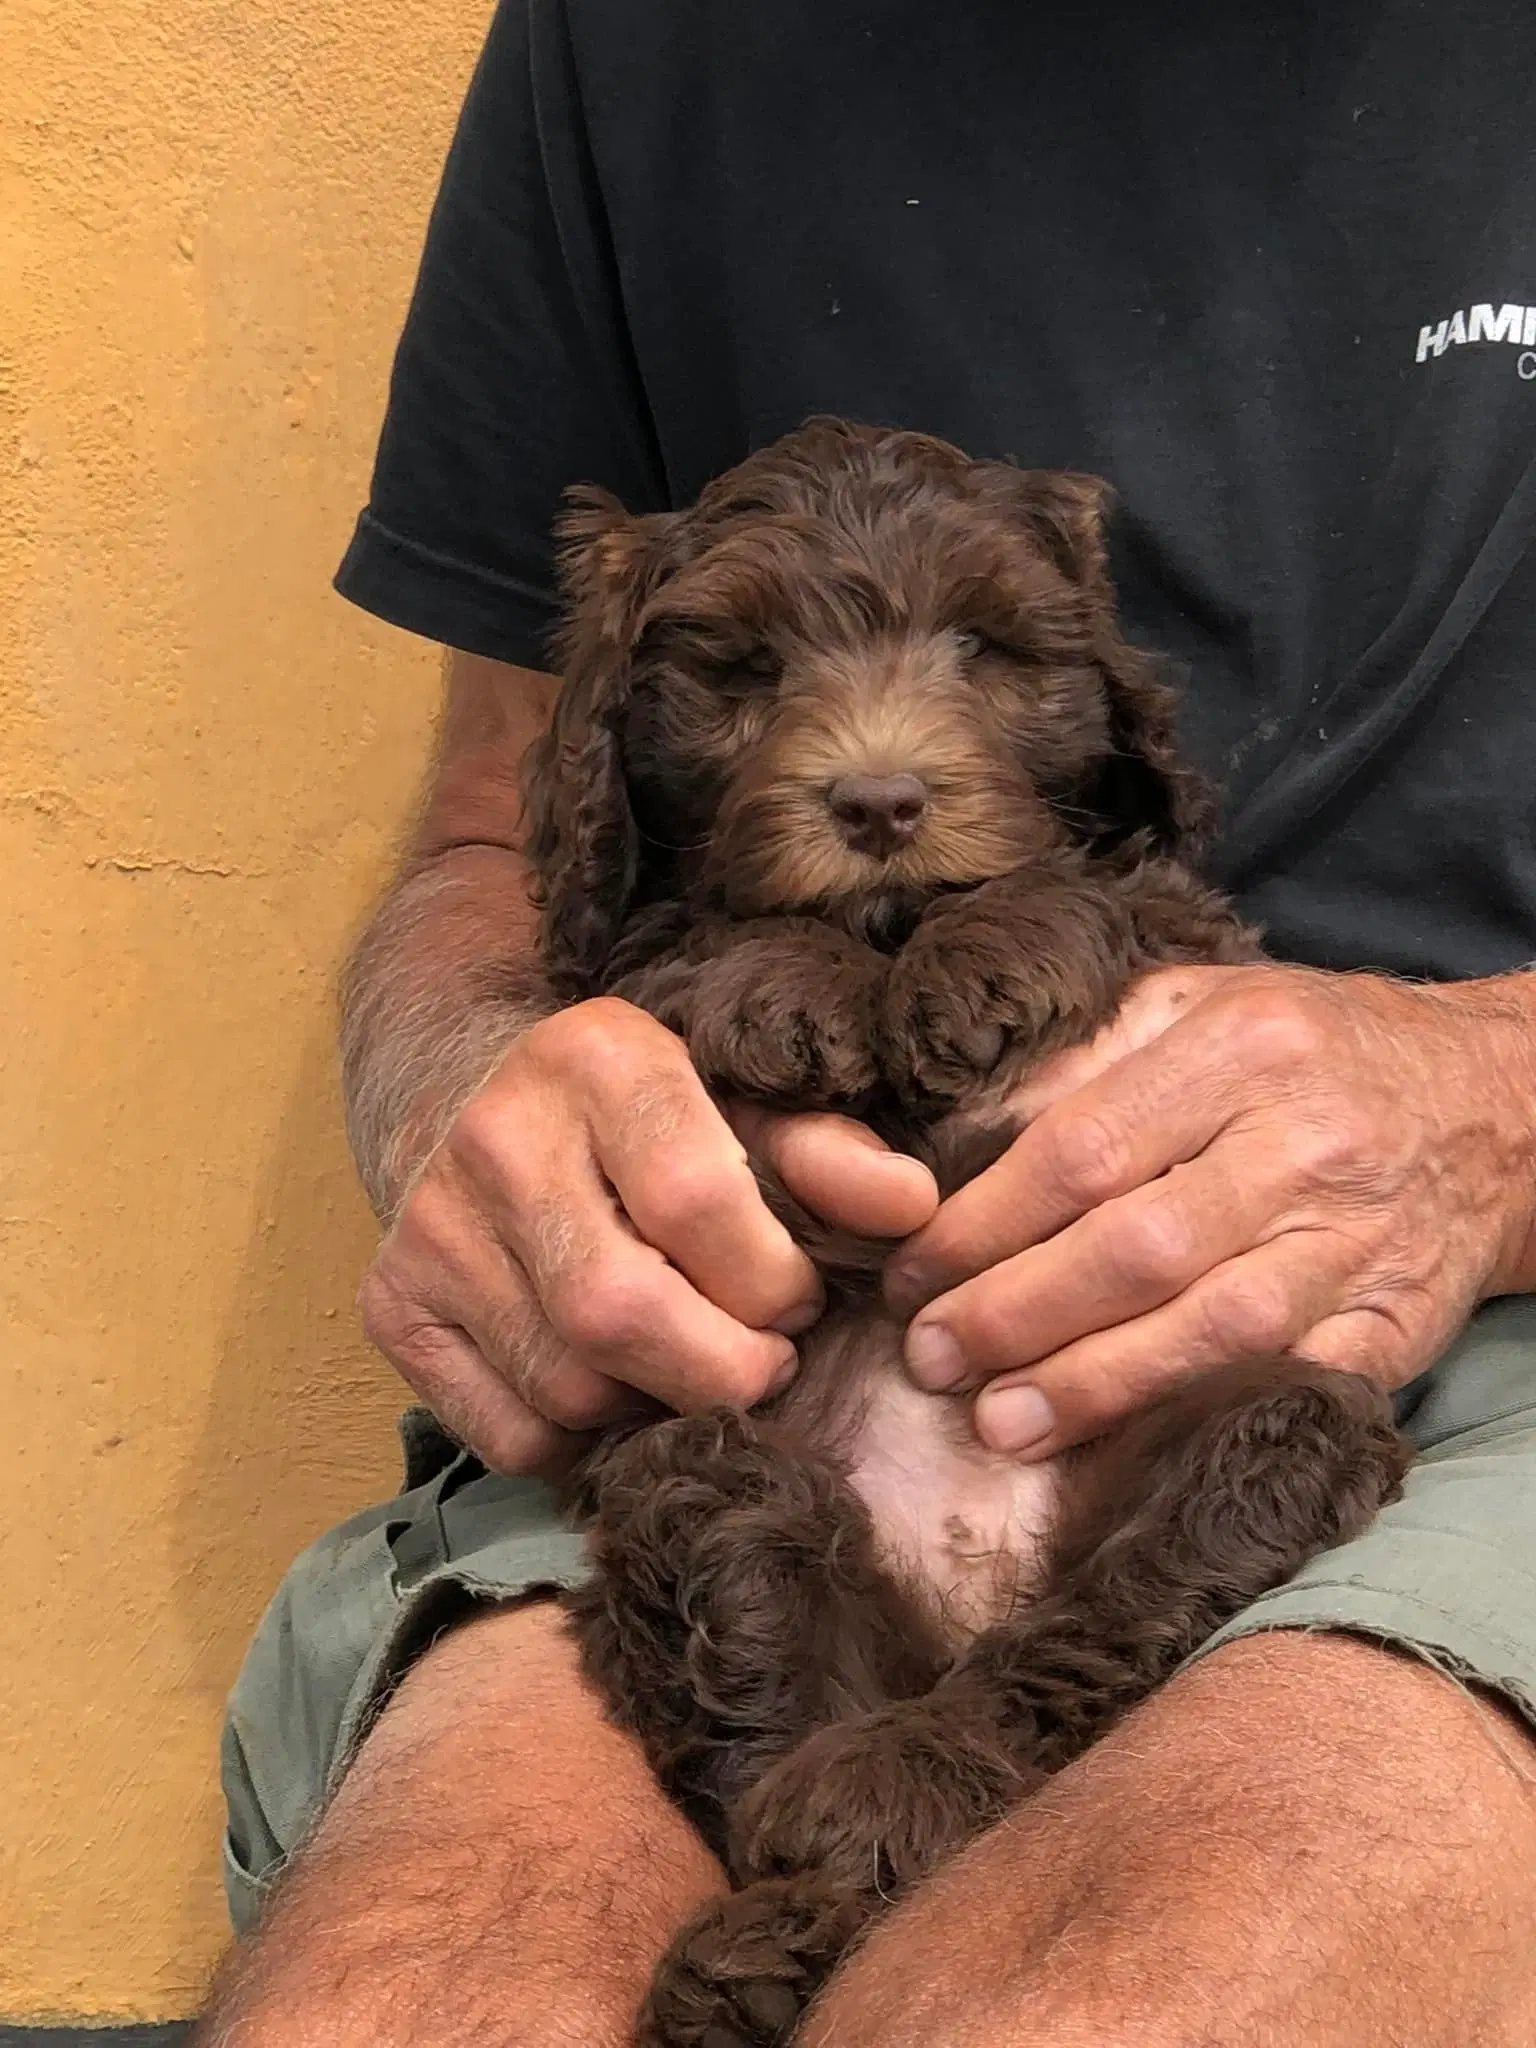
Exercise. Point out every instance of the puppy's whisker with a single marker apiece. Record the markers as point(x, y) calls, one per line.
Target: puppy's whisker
point(683, 846)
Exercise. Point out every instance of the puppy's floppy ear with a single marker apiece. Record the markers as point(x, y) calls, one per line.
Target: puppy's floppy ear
point(1066, 513)
point(581, 837)
point(1139, 790)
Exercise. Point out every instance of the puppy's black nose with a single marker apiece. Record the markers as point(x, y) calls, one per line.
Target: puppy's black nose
point(877, 814)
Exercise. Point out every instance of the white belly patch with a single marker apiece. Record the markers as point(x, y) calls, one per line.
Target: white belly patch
point(964, 1521)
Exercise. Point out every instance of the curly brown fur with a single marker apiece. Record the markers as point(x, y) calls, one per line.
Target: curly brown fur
point(847, 601)
point(1195, 1511)
point(737, 1603)
point(856, 784)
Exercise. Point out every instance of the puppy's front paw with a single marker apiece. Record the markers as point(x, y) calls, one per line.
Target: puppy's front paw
point(959, 998)
point(784, 1020)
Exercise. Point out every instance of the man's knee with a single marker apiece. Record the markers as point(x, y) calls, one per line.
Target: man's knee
point(491, 1731)
point(353, 1614)
point(498, 1863)
point(1299, 1808)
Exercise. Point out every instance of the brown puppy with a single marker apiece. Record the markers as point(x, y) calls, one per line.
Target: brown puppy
point(855, 783)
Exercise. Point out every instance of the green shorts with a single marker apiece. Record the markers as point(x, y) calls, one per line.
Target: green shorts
point(1448, 1572)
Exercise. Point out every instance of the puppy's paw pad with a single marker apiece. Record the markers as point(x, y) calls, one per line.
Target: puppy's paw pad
point(788, 1022)
point(959, 999)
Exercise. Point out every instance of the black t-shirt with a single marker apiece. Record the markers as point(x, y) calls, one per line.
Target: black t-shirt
point(1269, 268)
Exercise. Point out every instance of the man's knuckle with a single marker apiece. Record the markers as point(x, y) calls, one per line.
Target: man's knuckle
point(659, 1106)
point(685, 1194)
point(1091, 1156)
point(510, 1335)
point(426, 1352)
point(511, 1440)
point(379, 1307)
point(558, 1388)
point(1152, 1244)
point(1276, 1027)
point(1121, 1380)
point(484, 1134)
point(594, 1036)
point(605, 1308)
point(737, 1379)
point(1249, 1314)
point(986, 1327)
point(429, 1219)
point(1331, 1148)
point(585, 1031)
point(576, 1407)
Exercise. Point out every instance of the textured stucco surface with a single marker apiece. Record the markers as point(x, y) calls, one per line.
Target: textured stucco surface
point(209, 215)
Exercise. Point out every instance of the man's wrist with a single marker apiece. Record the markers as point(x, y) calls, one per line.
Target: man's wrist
point(390, 1177)
point(1500, 1012)
point(435, 993)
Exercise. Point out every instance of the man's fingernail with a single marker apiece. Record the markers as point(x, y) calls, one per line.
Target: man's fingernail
point(933, 1357)
point(798, 1319)
point(908, 1168)
point(1013, 1418)
point(784, 1375)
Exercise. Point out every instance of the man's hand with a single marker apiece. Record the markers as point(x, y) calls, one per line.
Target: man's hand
point(1250, 1159)
point(589, 1234)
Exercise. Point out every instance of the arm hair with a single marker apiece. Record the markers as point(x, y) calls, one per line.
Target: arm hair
point(443, 980)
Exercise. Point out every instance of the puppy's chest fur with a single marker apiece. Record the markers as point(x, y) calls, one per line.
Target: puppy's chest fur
point(927, 1043)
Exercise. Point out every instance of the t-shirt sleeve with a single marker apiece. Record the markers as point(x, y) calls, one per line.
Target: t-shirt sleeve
point(514, 377)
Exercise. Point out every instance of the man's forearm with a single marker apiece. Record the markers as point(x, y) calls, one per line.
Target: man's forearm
point(437, 988)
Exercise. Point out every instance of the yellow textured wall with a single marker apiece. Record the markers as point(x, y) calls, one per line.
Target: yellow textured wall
point(209, 216)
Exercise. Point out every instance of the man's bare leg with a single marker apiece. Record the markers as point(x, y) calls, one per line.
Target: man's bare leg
point(1305, 1840)
point(498, 1867)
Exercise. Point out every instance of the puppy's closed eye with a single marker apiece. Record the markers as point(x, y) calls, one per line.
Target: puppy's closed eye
point(973, 643)
point(758, 665)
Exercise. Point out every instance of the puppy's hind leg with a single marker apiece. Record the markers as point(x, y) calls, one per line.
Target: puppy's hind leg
point(736, 1603)
point(743, 1974)
point(835, 1832)
point(1189, 1514)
